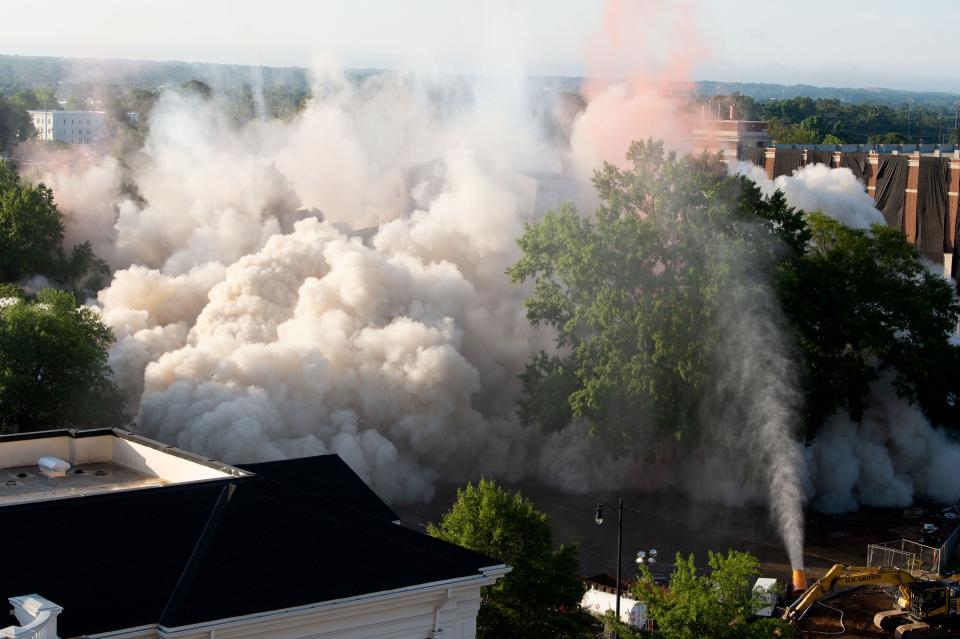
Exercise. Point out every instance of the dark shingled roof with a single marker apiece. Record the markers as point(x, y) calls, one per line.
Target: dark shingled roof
point(326, 476)
point(189, 553)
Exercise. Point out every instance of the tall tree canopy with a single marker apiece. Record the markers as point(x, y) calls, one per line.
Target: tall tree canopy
point(634, 291)
point(541, 597)
point(862, 300)
point(718, 603)
point(53, 364)
point(806, 120)
point(31, 237)
point(640, 297)
point(16, 126)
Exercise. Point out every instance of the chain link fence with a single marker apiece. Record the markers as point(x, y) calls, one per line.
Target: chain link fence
point(904, 554)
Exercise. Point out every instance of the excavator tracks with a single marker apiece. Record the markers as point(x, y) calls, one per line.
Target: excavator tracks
point(903, 628)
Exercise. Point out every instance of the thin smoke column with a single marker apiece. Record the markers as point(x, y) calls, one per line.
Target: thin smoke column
point(752, 411)
point(637, 41)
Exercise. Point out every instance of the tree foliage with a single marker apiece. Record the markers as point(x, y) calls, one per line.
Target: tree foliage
point(541, 596)
point(807, 120)
point(31, 237)
point(799, 133)
point(636, 295)
point(860, 301)
point(53, 364)
point(718, 603)
point(16, 126)
point(633, 292)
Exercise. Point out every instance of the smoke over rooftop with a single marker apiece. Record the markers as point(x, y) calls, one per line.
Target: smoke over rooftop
point(255, 322)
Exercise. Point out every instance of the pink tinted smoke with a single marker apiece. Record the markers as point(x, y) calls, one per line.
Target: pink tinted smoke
point(652, 46)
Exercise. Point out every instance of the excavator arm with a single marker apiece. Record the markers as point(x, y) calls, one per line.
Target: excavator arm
point(839, 577)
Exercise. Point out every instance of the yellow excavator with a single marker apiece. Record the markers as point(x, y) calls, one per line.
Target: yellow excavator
point(921, 603)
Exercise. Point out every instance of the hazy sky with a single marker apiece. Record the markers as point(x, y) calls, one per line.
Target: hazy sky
point(888, 43)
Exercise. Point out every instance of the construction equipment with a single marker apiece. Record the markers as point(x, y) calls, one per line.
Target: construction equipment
point(922, 603)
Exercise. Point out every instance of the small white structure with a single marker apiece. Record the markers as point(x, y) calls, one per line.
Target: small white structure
point(53, 466)
point(72, 127)
point(600, 597)
point(766, 588)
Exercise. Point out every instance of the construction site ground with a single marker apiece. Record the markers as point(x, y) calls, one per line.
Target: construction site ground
point(672, 524)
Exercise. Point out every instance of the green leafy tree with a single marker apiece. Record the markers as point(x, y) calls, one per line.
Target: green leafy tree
point(888, 138)
point(27, 99)
point(31, 237)
point(53, 364)
point(541, 596)
point(716, 604)
point(830, 138)
point(196, 87)
point(47, 99)
point(861, 300)
point(801, 133)
point(633, 292)
point(74, 103)
point(30, 228)
point(802, 120)
point(16, 126)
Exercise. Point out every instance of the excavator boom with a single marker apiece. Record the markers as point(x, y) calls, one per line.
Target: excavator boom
point(839, 577)
point(920, 601)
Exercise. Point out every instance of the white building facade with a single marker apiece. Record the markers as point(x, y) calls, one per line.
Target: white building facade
point(71, 127)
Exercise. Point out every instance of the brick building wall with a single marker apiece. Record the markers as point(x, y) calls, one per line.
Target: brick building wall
point(913, 191)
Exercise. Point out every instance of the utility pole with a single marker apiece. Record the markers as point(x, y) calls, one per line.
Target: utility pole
point(599, 519)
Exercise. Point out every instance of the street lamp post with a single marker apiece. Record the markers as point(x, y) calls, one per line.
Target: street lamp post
point(599, 520)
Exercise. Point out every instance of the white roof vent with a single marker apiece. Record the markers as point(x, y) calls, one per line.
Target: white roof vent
point(53, 466)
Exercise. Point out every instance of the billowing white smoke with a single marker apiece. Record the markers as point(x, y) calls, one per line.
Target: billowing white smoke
point(817, 187)
point(890, 458)
point(750, 453)
point(86, 189)
point(251, 327)
point(248, 328)
point(759, 377)
point(893, 455)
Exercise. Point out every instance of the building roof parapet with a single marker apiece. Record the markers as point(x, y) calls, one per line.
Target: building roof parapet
point(935, 150)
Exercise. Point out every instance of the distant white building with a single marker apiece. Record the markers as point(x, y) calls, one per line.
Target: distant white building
point(72, 127)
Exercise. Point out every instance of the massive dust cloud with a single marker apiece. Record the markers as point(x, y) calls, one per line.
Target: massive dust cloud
point(336, 283)
point(890, 458)
point(252, 323)
point(893, 455)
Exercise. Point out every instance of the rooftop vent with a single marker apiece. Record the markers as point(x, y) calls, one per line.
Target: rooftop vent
point(53, 466)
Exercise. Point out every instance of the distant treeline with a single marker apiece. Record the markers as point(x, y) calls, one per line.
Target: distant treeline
point(803, 120)
point(796, 114)
point(23, 72)
point(889, 97)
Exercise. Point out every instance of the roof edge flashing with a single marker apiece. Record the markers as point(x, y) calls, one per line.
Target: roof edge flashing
point(476, 579)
